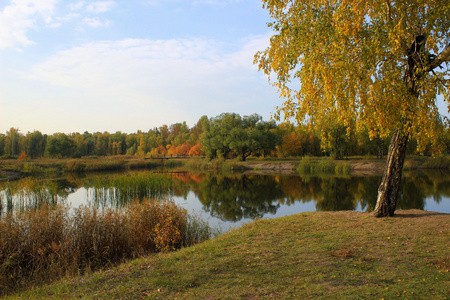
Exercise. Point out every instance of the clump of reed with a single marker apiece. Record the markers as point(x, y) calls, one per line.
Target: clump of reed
point(113, 164)
point(440, 162)
point(218, 165)
point(196, 164)
point(38, 246)
point(93, 165)
point(322, 166)
point(31, 168)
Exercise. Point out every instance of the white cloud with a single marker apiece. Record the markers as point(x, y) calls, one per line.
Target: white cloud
point(76, 6)
point(182, 79)
point(17, 18)
point(100, 7)
point(95, 23)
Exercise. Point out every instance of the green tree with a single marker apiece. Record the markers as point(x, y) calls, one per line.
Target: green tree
point(269, 138)
point(367, 62)
point(244, 136)
point(60, 145)
point(35, 144)
point(2, 144)
point(197, 130)
point(336, 140)
point(102, 143)
point(216, 134)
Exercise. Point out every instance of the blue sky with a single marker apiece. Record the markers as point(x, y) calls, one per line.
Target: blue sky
point(72, 66)
point(128, 65)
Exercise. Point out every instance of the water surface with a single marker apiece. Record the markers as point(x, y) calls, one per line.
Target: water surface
point(227, 201)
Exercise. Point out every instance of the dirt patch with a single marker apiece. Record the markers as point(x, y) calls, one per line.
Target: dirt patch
point(361, 168)
point(284, 168)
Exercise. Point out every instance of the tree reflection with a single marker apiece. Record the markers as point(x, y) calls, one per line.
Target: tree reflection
point(337, 194)
point(229, 198)
point(234, 198)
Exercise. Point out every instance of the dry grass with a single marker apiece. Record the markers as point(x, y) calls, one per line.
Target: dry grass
point(37, 246)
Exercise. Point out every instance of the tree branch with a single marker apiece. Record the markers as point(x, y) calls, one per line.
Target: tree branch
point(389, 9)
point(443, 56)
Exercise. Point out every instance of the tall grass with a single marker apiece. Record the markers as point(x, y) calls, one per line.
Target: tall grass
point(218, 165)
point(109, 164)
point(322, 166)
point(441, 163)
point(38, 246)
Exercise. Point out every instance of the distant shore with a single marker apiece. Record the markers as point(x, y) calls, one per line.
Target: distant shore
point(358, 166)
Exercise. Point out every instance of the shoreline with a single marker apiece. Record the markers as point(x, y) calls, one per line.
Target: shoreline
point(13, 169)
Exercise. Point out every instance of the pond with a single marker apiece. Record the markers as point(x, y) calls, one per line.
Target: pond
point(227, 201)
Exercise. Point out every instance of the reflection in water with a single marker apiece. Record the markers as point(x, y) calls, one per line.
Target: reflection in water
point(234, 198)
point(229, 198)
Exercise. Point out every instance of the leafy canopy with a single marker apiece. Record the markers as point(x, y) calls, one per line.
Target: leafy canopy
point(350, 57)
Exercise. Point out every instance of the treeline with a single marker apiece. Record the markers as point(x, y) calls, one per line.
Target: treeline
point(228, 135)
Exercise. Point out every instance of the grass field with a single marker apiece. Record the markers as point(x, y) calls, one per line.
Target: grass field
point(318, 255)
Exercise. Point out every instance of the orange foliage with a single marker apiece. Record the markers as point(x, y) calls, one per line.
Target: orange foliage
point(183, 150)
point(195, 150)
point(172, 150)
point(161, 150)
point(22, 155)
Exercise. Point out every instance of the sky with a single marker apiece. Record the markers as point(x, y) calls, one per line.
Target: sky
point(75, 66)
point(129, 65)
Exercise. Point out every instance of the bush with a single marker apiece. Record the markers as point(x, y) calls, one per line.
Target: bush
point(23, 156)
point(305, 166)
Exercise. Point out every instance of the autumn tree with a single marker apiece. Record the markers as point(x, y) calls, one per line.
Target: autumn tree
point(378, 63)
point(291, 145)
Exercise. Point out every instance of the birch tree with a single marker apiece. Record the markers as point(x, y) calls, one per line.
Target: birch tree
point(380, 63)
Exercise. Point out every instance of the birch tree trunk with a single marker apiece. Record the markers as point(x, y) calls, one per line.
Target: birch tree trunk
point(390, 184)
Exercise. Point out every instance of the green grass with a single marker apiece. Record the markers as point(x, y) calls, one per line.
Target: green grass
point(324, 165)
point(218, 165)
point(318, 255)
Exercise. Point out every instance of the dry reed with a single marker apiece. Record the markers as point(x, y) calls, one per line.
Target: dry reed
point(38, 246)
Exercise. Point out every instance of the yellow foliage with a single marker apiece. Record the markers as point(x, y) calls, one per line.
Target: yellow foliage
point(350, 57)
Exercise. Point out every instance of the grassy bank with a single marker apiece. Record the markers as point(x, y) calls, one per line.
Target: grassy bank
point(319, 255)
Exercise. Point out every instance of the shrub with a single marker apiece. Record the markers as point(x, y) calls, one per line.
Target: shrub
point(305, 165)
point(22, 156)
